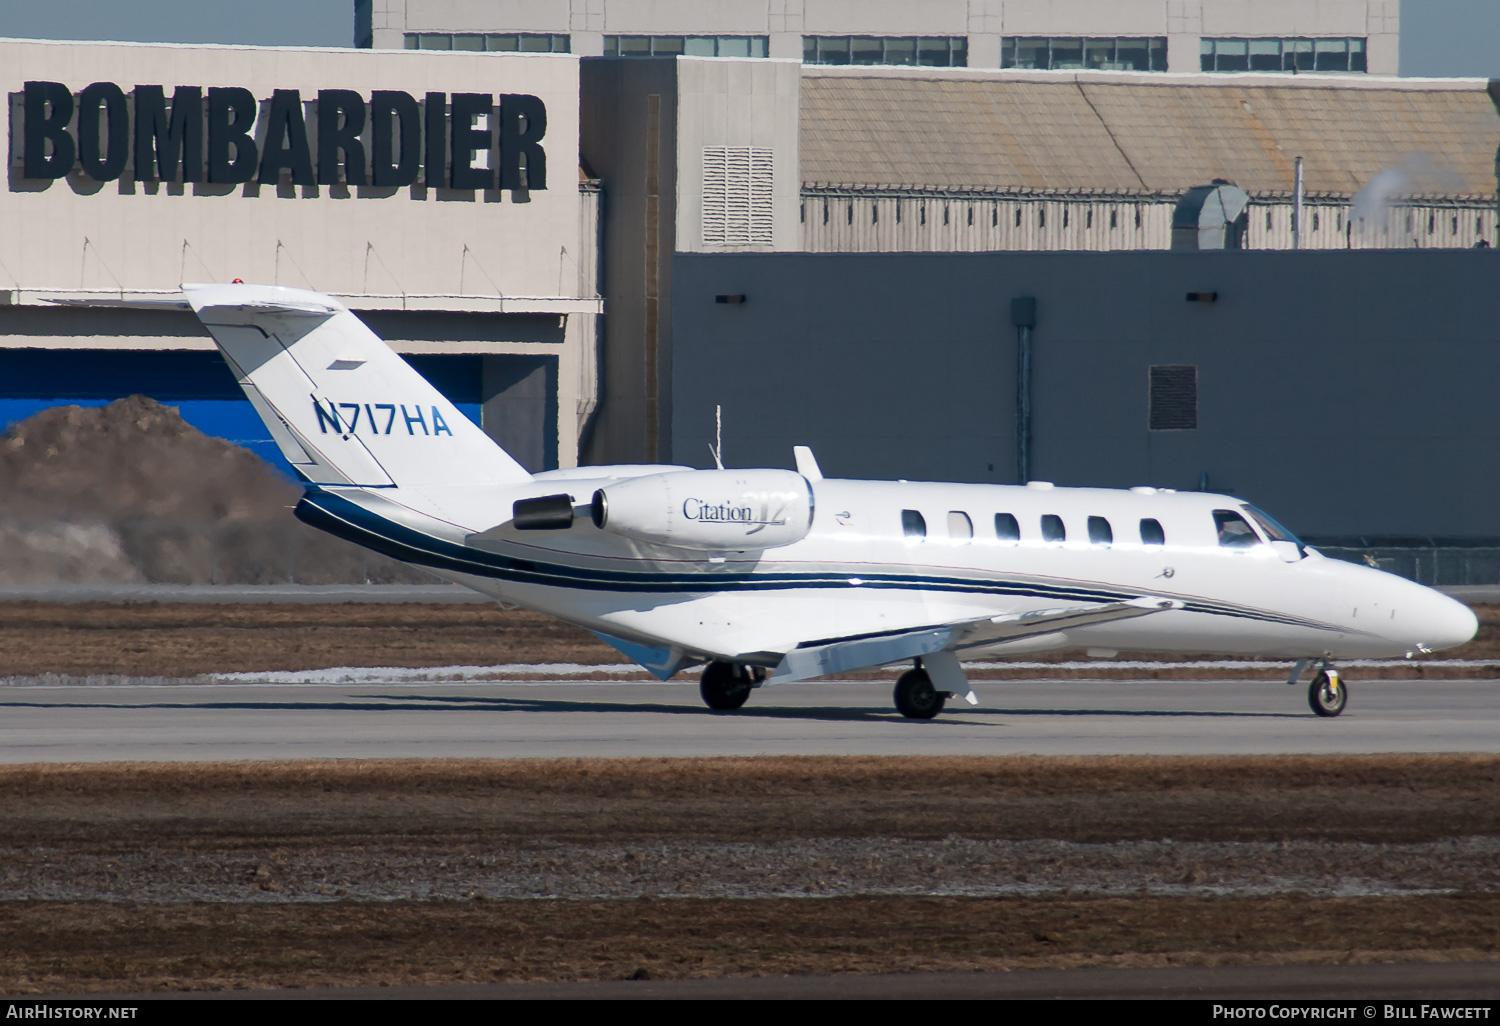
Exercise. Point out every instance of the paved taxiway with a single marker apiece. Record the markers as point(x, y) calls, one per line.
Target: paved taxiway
point(553, 718)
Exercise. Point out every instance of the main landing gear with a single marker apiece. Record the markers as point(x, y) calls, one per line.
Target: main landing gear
point(916, 698)
point(726, 686)
point(922, 691)
point(1327, 694)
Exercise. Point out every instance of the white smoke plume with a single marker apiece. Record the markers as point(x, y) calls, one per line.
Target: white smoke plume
point(1417, 173)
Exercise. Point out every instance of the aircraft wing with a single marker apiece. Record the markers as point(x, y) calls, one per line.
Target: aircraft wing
point(817, 659)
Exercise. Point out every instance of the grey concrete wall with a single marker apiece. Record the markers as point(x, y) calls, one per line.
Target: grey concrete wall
point(1348, 393)
point(739, 103)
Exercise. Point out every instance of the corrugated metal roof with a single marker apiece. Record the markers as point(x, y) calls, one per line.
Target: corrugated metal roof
point(1132, 137)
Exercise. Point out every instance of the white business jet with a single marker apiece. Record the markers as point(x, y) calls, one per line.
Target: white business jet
point(772, 576)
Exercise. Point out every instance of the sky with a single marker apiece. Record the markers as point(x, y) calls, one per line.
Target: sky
point(1438, 37)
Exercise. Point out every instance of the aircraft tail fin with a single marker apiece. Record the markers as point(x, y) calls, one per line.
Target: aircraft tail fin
point(342, 406)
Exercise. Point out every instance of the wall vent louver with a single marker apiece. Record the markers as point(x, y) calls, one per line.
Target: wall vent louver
point(737, 209)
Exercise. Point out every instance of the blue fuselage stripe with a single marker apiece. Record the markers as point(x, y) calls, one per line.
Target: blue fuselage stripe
point(342, 518)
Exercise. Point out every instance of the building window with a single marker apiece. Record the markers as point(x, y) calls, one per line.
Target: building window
point(1072, 54)
point(1301, 54)
point(1173, 398)
point(737, 206)
point(686, 46)
point(513, 43)
point(918, 51)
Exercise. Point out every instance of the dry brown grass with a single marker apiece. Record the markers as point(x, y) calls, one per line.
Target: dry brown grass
point(98, 947)
point(242, 813)
point(463, 804)
point(184, 639)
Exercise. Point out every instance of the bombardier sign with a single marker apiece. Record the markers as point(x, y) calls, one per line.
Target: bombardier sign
point(224, 135)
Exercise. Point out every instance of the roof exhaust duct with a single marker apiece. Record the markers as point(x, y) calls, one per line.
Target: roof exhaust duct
point(1213, 216)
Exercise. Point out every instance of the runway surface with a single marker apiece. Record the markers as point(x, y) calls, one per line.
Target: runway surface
point(565, 718)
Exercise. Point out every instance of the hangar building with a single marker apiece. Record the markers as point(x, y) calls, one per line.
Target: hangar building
point(1349, 36)
point(135, 167)
point(589, 254)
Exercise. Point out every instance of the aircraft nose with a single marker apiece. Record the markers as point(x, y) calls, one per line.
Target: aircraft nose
point(1445, 622)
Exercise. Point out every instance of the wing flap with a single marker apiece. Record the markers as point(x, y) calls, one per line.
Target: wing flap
point(818, 660)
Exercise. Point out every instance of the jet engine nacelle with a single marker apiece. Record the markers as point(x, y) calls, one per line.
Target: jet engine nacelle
point(709, 509)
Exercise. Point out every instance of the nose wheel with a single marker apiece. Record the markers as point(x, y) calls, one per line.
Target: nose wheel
point(1327, 694)
point(726, 686)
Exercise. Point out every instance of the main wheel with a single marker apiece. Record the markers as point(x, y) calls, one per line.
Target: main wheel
point(722, 688)
point(916, 698)
point(1328, 693)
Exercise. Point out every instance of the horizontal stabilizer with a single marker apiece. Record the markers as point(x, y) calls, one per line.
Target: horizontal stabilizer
point(841, 656)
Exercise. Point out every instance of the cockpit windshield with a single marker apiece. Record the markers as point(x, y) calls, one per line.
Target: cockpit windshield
point(1273, 530)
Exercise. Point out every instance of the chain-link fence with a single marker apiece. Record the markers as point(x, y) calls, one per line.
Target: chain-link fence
point(1436, 565)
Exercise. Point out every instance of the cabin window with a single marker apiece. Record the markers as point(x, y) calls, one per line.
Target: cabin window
point(913, 525)
point(1234, 532)
point(1151, 532)
point(960, 527)
point(1053, 529)
point(1100, 533)
point(1006, 528)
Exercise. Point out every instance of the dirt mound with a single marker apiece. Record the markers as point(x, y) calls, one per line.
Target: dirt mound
point(133, 458)
point(131, 492)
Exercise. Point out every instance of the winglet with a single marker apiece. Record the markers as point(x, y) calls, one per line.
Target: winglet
point(807, 463)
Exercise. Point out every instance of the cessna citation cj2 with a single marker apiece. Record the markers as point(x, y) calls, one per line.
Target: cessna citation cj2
point(772, 576)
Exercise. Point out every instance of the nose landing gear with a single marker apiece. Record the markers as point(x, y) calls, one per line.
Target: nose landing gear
point(726, 686)
point(1327, 694)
